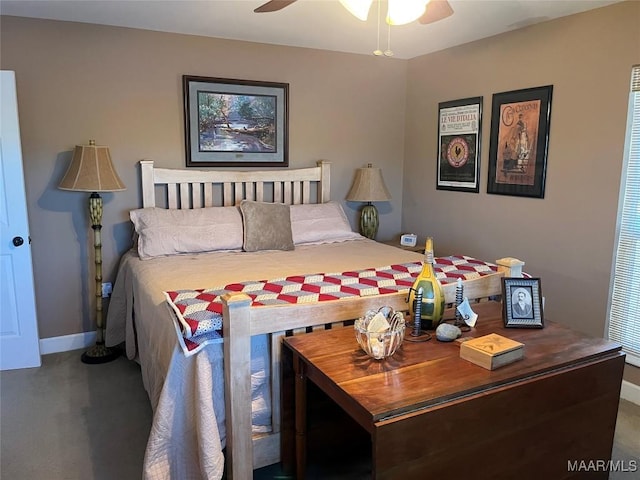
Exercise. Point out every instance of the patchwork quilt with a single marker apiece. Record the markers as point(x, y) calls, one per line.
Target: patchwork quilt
point(198, 313)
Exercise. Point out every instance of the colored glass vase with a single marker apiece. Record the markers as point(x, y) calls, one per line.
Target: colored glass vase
point(432, 294)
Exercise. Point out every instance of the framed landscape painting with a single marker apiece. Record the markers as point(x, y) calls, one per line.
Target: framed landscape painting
point(235, 122)
point(520, 122)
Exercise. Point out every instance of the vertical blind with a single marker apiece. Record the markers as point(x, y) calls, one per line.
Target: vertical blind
point(624, 311)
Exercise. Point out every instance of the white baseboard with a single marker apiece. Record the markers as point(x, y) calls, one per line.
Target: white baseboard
point(631, 392)
point(67, 343)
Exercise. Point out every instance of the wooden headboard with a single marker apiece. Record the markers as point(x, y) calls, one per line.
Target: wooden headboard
point(208, 188)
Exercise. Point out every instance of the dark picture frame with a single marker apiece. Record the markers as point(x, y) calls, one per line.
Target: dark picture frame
point(459, 142)
point(232, 122)
point(522, 303)
point(519, 145)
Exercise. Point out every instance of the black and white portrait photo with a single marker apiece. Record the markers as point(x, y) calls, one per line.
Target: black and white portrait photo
point(521, 304)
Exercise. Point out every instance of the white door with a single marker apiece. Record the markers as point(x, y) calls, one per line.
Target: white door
point(19, 344)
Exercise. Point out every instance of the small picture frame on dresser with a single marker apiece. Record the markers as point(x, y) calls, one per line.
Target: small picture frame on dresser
point(522, 303)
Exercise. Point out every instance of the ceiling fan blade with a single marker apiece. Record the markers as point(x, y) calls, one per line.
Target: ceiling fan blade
point(273, 6)
point(436, 10)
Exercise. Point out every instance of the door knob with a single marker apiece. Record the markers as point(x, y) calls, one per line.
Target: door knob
point(17, 241)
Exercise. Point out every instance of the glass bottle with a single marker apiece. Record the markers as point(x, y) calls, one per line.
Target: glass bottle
point(432, 295)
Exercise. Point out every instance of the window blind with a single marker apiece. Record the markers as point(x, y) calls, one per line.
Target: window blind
point(624, 311)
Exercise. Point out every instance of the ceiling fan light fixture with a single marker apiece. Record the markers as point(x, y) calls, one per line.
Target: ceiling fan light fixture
point(401, 12)
point(358, 8)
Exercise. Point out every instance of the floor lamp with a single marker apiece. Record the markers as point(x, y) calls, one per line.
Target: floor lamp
point(368, 186)
point(91, 170)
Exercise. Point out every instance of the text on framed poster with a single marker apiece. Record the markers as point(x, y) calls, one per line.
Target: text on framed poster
point(459, 135)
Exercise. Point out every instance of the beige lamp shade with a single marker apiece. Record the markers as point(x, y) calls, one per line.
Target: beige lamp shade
point(368, 186)
point(91, 170)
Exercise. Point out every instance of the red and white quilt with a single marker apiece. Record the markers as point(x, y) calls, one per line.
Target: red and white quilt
point(199, 312)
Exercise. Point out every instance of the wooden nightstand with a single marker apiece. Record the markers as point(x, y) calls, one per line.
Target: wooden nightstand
point(396, 243)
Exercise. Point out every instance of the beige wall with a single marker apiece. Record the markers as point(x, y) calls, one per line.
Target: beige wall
point(566, 238)
point(122, 87)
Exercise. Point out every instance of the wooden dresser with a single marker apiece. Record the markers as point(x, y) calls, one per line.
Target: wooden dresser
point(431, 414)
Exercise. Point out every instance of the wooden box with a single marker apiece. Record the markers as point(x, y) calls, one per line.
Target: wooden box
point(491, 351)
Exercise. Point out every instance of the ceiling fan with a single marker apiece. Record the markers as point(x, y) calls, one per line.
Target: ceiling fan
point(434, 10)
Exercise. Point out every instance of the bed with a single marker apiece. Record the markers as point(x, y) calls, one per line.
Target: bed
point(220, 387)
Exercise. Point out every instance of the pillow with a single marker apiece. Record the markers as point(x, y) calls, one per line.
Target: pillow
point(320, 223)
point(267, 226)
point(170, 231)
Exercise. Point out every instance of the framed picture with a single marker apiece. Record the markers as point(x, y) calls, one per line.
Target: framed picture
point(459, 134)
point(522, 302)
point(235, 122)
point(520, 123)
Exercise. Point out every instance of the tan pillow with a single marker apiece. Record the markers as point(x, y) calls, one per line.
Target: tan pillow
point(320, 223)
point(267, 226)
point(171, 231)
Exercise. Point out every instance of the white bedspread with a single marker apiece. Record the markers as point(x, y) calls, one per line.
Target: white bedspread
point(187, 393)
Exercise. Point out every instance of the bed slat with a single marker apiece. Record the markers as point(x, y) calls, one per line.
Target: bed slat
point(185, 195)
point(260, 192)
point(297, 194)
point(172, 197)
point(277, 192)
point(287, 193)
point(196, 195)
point(306, 192)
point(239, 194)
point(208, 194)
point(227, 195)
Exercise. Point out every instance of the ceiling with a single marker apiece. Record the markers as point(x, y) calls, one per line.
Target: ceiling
point(322, 24)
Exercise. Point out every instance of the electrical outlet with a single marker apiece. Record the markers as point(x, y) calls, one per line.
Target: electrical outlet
point(106, 290)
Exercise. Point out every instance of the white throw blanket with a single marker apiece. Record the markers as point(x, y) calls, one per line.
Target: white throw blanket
point(167, 459)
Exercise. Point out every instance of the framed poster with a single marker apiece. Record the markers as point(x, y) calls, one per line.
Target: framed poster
point(235, 122)
point(459, 134)
point(522, 303)
point(520, 122)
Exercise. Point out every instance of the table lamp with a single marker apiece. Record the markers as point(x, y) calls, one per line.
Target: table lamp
point(91, 170)
point(368, 186)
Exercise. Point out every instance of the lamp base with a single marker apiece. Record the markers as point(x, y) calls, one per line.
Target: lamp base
point(99, 354)
point(369, 221)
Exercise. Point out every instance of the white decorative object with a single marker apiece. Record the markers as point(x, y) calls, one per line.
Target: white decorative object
point(470, 317)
